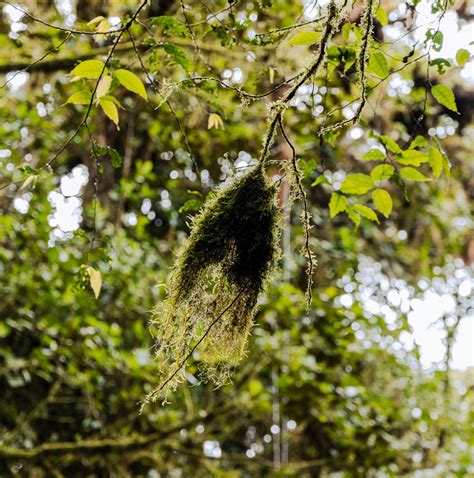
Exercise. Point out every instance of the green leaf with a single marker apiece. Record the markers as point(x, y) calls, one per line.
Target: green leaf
point(366, 212)
point(115, 158)
point(131, 81)
point(444, 95)
point(354, 216)
point(171, 26)
point(381, 172)
point(177, 54)
point(346, 31)
point(438, 40)
point(357, 184)
point(382, 16)
point(441, 64)
point(373, 155)
point(319, 180)
point(305, 38)
point(462, 57)
point(337, 204)
point(411, 174)
point(80, 98)
point(382, 201)
point(91, 69)
point(191, 205)
point(378, 65)
point(390, 144)
point(436, 161)
point(114, 100)
point(110, 110)
point(418, 142)
point(412, 157)
point(446, 166)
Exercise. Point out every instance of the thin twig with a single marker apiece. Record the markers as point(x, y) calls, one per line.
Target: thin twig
point(168, 103)
point(293, 27)
point(56, 27)
point(279, 108)
point(306, 219)
point(91, 102)
point(31, 65)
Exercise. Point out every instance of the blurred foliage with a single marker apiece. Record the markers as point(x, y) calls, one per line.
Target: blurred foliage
point(329, 393)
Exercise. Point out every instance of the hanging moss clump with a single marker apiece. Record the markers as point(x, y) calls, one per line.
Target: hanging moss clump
point(213, 290)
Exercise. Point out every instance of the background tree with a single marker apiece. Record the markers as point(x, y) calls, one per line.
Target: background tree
point(119, 118)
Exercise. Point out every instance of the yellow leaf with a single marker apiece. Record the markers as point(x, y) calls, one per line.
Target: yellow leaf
point(382, 201)
point(110, 110)
point(103, 27)
point(103, 86)
point(80, 98)
point(95, 280)
point(28, 181)
point(131, 81)
point(271, 75)
point(357, 183)
point(96, 20)
point(89, 69)
point(337, 204)
point(305, 38)
point(215, 121)
point(366, 212)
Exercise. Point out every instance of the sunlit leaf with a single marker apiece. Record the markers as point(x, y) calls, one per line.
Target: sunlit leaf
point(366, 212)
point(418, 142)
point(381, 172)
point(305, 38)
point(412, 157)
point(357, 184)
point(444, 95)
point(80, 98)
point(382, 201)
point(215, 121)
point(131, 82)
point(89, 69)
point(190, 205)
point(337, 204)
point(390, 144)
point(462, 56)
point(95, 280)
point(354, 216)
point(436, 161)
point(382, 16)
point(110, 110)
point(103, 86)
point(346, 31)
point(411, 174)
point(103, 27)
point(271, 75)
point(378, 65)
point(28, 181)
point(96, 20)
point(319, 180)
point(373, 155)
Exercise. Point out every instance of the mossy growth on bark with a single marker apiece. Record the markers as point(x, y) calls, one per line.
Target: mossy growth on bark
point(219, 274)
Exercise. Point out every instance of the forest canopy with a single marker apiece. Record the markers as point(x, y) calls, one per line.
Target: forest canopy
point(236, 238)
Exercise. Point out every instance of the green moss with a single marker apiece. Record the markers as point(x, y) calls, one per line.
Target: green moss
point(213, 292)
